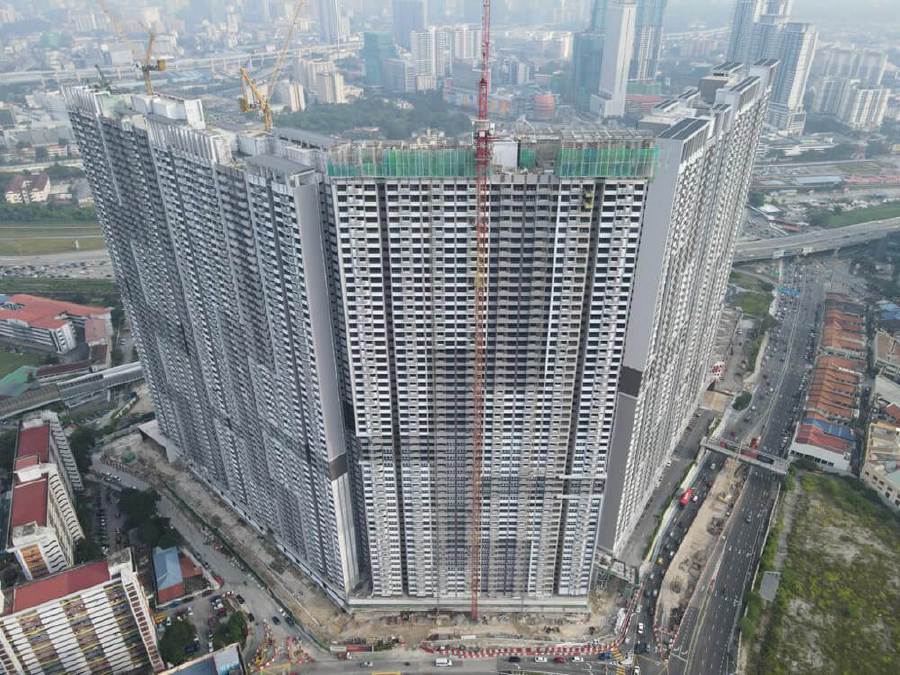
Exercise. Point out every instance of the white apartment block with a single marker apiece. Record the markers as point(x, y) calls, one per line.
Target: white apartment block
point(93, 619)
point(565, 224)
point(43, 527)
point(219, 257)
point(304, 319)
point(707, 141)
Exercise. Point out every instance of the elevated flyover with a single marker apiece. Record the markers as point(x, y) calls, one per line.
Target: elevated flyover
point(814, 242)
point(74, 391)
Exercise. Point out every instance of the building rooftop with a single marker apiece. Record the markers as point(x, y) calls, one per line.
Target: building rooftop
point(224, 661)
point(44, 312)
point(167, 568)
point(29, 503)
point(34, 442)
point(887, 348)
point(58, 585)
point(883, 451)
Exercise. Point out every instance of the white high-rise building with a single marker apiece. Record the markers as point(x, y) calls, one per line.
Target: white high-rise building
point(322, 79)
point(618, 46)
point(851, 102)
point(220, 260)
point(762, 29)
point(432, 52)
point(648, 28)
point(304, 318)
point(707, 141)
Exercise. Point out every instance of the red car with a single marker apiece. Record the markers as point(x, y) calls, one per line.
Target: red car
point(686, 497)
point(559, 659)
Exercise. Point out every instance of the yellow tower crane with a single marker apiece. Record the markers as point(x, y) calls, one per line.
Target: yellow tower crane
point(145, 63)
point(260, 100)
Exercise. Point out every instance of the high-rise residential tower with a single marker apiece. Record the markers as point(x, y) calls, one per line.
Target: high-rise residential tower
point(762, 29)
point(220, 261)
point(304, 318)
point(647, 39)
point(707, 140)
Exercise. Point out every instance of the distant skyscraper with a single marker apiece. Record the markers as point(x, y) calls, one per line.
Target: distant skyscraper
point(409, 16)
point(762, 29)
point(746, 13)
point(618, 46)
point(647, 39)
point(377, 47)
point(332, 22)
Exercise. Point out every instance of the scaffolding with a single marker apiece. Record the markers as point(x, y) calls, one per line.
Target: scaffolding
point(371, 162)
point(617, 161)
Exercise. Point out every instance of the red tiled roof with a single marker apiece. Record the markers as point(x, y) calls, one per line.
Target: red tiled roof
point(34, 441)
point(809, 434)
point(45, 313)
point(29, 503)
point(59, 585)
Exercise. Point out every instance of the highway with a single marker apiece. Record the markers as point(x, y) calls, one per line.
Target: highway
point(705, 642)
point(814, 242)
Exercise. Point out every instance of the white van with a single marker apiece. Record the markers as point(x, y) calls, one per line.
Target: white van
point(443, 662)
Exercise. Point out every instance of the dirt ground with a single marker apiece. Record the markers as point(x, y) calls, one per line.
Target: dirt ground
point(687, 565)
point(310, 605)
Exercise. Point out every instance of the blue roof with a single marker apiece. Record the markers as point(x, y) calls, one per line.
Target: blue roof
point(832, 429)
point(166, 567)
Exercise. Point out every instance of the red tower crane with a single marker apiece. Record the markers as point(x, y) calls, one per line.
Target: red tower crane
point(482, 204)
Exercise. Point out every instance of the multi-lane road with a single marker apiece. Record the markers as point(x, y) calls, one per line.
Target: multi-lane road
point(705, 642)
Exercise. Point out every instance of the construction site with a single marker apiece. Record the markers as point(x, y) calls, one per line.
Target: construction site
point(327, 623)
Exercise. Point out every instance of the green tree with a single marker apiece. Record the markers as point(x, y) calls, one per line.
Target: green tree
point(82, 442)
point(138, 506)
point(756, 199)
point(7, 449)
point(177, 637)
point(233, 630)
point(742, 400)
point(87, 550)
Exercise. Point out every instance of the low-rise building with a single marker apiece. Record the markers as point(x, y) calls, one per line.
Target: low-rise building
point(90, 619)
point(43, 527)
point(887, 354)
point(47, 325)
point(27, 189)
point(224, 661)
point(881, 466)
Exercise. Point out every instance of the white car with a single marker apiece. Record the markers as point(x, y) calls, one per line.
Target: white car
point(640, 629)
point(577, 659)
point(541, 659)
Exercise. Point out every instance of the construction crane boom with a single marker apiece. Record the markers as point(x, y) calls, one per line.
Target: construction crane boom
point(146, 64)
point(482, 201)
point(261, 100)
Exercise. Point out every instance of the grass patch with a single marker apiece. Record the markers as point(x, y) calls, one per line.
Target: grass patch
point(835, 611)
point(749, 282)
point(26, 246)
point(22, 238)
point(10, 361)
point(753, 303)
point(880, 212)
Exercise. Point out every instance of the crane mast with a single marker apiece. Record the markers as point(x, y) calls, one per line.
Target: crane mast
point(482, 202)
